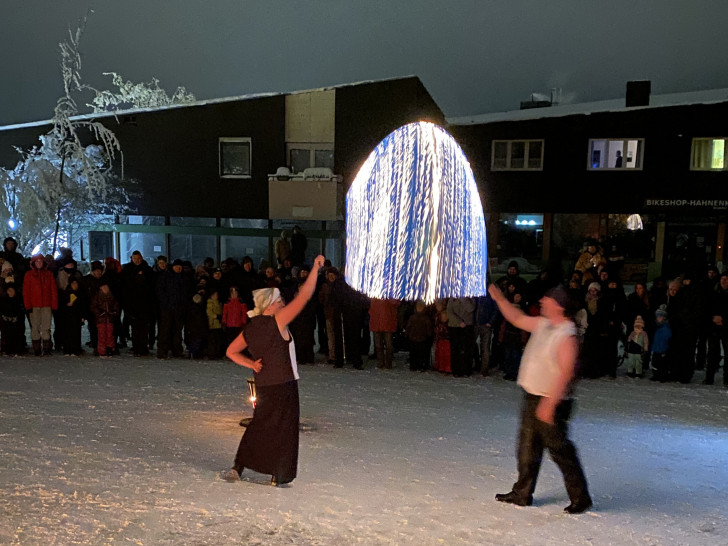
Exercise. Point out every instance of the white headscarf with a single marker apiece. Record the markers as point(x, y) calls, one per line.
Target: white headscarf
point(262, 299)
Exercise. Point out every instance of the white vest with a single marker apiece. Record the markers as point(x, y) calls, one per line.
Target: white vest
point(539, 365)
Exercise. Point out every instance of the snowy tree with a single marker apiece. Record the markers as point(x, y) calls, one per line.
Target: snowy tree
point(136, 95)
point(69, 177)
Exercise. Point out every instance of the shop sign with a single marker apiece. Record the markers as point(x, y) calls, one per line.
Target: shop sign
point(714, 204)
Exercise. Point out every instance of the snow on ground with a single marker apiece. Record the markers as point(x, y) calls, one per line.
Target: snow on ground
point(128, 450)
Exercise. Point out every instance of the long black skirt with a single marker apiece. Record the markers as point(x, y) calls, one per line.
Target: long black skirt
point(270, 442)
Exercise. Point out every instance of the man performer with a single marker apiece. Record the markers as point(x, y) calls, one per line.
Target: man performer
point(546, 374)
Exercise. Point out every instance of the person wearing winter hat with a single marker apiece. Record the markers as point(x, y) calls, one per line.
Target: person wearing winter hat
point(40, 296)
point(174, 290)
point(596, 338)
point(512, 276)
point(660, 346)
point(270, 442)
point(637, 345)
point(546, 374)
point(11, 254)
point(7, 273)
point(12, 321)
point(588, 261)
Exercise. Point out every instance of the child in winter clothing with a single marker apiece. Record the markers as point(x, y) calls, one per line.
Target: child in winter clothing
point(419, 332)
point(214, 326)
point(70, 313)
point(12, 322)
point(234, 315)
point(105, 308)
point(660, 346)
point(637, 345)
point(442, 344)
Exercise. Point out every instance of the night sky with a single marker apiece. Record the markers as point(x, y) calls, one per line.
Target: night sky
point(474, 56)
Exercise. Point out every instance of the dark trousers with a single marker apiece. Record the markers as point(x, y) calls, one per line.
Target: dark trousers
point(352, 339)
point(682, 354)
point(420, 355)
point(384, 349)
point(536, 435)
point(139, 333)
point(512, 364)
point(715, 340)
point(171, 323)
point(71, 336)
point(152, 336)
point(215, 340)
point(485, 334)
point(12, 336)
point(461, 350)
point(92, 331)
point(704, 334)
point(660, 371)
point(323, 338)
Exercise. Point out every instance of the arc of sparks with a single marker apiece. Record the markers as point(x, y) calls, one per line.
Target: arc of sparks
point(414, 221)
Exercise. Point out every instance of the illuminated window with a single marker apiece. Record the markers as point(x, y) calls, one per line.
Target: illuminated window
point(708, 154)
point(235, 157)
point(517, 155)
point(302, 155)
point(620, 154)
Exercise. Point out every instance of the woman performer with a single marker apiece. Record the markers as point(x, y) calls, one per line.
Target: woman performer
point(270, 442)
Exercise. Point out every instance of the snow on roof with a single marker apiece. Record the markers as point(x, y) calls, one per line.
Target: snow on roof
point(205, 102)
point(615, 105)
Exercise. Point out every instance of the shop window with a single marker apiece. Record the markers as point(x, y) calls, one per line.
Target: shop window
point(192, 221)
point(708, 154)
point(520, 235)
point(236, 247)
point(243, 223)
point(150, 245)
point(618, 154)
point(235, 156)
point(517, 155)
point(194, 248)
point(133, 219)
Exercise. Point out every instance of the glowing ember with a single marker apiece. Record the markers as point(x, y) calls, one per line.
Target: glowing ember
point(414, 221)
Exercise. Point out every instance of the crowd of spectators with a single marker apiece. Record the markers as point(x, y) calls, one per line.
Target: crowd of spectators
point(672, 328)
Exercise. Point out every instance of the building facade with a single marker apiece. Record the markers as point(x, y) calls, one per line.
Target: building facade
point(552, 176)
point(222, 178)
point(202, 171)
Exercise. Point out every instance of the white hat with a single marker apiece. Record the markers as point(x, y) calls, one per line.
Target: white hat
point(262, 299)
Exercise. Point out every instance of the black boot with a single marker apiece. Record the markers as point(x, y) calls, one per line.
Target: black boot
point(47, 347)
point(37, 351)
point(514, 498)
point(579, 506)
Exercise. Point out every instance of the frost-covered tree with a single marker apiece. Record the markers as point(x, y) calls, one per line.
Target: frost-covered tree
point(136, 95)
point(69, 177)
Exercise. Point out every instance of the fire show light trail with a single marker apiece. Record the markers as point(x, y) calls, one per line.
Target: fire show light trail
point(414, 222)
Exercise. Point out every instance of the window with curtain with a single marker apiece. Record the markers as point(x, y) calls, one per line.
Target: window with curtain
point(708, 154)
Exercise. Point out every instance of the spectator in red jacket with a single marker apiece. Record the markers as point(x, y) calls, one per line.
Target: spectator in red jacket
point(383, 324)
point(234, 315)
point(40, 296)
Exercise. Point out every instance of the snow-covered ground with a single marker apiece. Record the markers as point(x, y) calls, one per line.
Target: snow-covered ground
point(128, 450)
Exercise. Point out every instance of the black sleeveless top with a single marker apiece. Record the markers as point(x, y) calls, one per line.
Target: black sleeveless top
point(266, 343)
